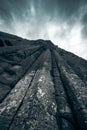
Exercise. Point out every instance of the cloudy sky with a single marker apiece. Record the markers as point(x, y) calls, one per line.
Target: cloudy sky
point(64, 22)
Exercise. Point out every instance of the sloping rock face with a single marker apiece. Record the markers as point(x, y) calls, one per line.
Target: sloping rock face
point(42, 87)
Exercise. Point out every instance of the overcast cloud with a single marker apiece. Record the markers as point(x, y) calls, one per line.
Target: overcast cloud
point(62, 21)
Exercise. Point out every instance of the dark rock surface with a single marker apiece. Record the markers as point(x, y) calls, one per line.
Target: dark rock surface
point(42, 87)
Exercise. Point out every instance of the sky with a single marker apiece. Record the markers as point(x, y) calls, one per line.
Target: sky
point(64, 22)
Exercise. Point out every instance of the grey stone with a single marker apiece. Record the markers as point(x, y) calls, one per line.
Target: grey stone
point(42, 87)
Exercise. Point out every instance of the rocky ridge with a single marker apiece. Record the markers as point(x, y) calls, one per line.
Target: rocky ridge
point(42, 87)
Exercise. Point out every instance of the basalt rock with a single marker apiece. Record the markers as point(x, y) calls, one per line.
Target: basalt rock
point(42, 87)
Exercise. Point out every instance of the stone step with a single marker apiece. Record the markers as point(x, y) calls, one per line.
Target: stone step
point(39, 108)
point(76, 91)
point(64, 115)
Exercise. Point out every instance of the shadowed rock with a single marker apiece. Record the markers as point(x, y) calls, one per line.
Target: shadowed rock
point(42, 87)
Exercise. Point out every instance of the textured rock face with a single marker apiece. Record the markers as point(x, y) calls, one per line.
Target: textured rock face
point(42, 87)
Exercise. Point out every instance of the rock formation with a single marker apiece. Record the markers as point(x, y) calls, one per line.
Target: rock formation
point(42, 87)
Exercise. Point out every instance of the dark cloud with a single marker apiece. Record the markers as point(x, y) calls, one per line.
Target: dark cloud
point(56, 9)
point(40, 18)
point(7, 7)
point(63, 8)
point(84, 27)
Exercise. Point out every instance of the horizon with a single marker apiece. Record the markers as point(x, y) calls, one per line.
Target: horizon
point(63, 22)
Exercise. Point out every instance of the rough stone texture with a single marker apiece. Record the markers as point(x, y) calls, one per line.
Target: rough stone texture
point(42, 87)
